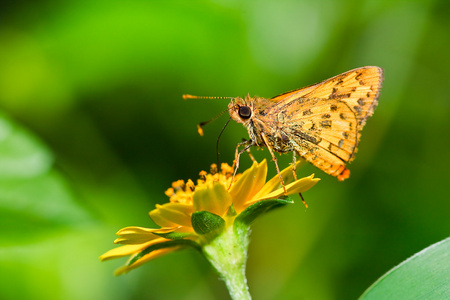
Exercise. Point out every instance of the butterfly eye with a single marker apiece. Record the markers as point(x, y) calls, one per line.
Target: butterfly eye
point(245, 112)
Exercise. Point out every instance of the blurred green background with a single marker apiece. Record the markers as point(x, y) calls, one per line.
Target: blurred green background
point(93, 130)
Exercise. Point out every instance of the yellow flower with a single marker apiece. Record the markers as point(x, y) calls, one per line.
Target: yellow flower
point(197, 214)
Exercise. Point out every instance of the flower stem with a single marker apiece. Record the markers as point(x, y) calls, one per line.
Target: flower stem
point(228, 255)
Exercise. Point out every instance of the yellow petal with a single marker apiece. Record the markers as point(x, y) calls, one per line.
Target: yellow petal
point(138, 235)
point(172, 214)
point(298, 186)
point(124, 251)
point(250, 183)
point(275, 183)
point(144, 259)
point(212, 197)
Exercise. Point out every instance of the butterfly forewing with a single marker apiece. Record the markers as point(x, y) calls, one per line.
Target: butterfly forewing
point(359, 88)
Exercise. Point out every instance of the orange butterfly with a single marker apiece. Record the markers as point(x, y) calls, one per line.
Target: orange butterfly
point(322, 122)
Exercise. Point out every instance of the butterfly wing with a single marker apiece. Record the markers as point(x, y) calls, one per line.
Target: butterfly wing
point(359, 88)
point(323, 121)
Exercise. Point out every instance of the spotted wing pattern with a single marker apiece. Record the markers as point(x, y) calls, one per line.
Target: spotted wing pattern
point(324, 121)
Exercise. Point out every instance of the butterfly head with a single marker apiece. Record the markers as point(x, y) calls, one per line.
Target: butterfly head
point(241, 109)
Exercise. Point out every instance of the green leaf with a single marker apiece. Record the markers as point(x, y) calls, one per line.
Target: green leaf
point(426, 275)
point(34, 198)
point(168, 244)
point(21, 154)
point(205, 222)
point(255, 210)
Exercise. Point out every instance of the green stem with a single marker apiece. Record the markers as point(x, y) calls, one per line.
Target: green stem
point(228, 254)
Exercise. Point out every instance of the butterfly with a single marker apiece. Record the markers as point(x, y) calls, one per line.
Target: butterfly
point(321, 123)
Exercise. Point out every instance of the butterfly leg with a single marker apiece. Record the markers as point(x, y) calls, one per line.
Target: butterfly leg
point(294, 167)
point(244, 142)
point(237, 155)
point(249, 153)
point(247, 144)
point(266, 141)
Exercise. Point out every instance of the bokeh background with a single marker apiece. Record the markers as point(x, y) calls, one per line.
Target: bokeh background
point(93, 130)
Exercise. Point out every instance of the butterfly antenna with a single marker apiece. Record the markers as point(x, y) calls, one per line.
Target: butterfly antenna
point(218, 139)
point(187, 96)
point(200, 125)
